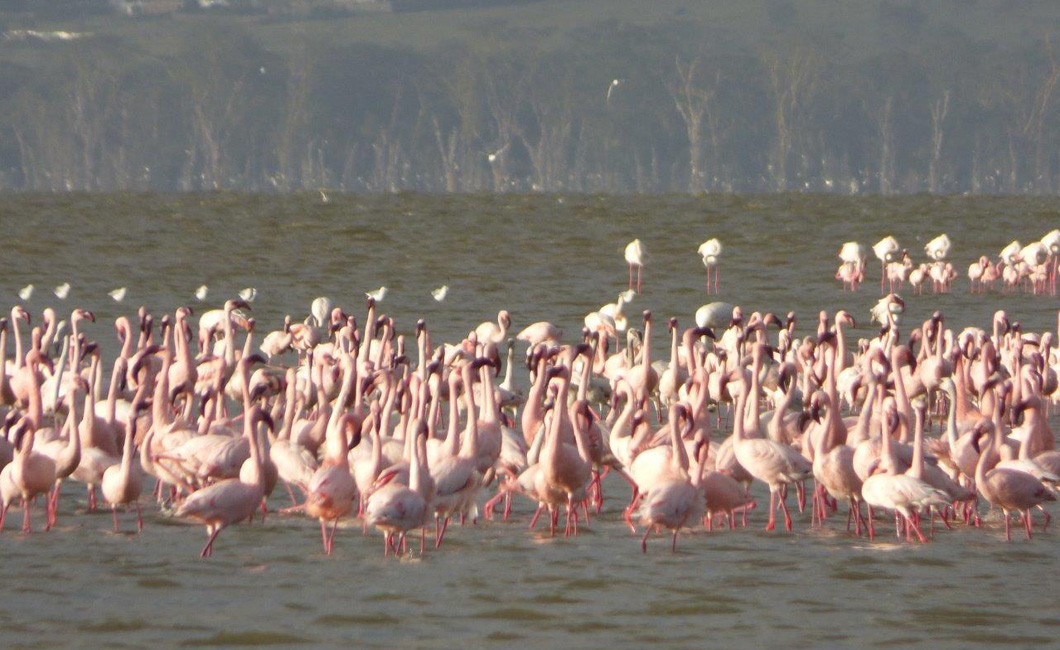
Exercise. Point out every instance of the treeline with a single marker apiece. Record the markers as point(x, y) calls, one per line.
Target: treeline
point(693, 109)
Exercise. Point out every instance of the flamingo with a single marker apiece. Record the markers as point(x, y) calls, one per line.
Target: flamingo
point(710, 252)
point(634, 254)
point(938, 248)
point(231, 500)
point(1008, 489)
point(886, 250)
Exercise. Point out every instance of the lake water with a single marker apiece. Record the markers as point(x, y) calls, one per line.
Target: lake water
point(542, 258)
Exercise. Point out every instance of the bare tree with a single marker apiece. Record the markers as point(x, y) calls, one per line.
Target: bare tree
point(939, 109)
point(695, 103)
point(793, 77)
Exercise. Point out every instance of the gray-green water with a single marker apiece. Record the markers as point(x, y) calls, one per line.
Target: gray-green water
point(540, 257)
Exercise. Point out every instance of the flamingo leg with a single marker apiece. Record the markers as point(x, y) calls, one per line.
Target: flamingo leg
point(25, 517)
point(772, 510)
point(207, 550)
point(324, 537)
point(787, 515)
point(139, 517)
point(644, 540)
point(537, 513)
point(114, 512)
point(673, 546)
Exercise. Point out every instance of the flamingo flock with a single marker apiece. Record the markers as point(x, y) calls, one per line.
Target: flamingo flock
point(1030, 268)
point(356, 421)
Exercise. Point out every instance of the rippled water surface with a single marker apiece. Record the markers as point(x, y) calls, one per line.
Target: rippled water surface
point(540, 257)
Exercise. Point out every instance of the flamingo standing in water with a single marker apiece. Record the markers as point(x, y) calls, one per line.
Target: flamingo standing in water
point(1008, 489)
point(231, 500)
point(678, 499)
point(887, 250)
point(123, 483)
point(396, 509)
point(710, 252)
point(634, 254)
point(773, 463)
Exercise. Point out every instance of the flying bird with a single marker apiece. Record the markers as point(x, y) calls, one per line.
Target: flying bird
point(62, 291)
point(201, 293)
point(615, 83)
point(118, 294)
point(441, 292)
point(249, 294)
point(378, 295)
point(26, 292)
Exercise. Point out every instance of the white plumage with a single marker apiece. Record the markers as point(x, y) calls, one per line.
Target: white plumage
point(938, 248)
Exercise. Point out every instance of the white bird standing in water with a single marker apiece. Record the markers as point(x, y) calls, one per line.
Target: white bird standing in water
point(710, 251)
point(62, 291)
point(118, 294)
point(635, 258)
point(378, 295)
point(441, 292)
point(249, 294)
point(938, 248)
point(202, 292)
point(887, 250)
point(26, 292)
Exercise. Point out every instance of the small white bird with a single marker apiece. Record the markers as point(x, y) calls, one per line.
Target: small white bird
point(62, 291)
point(938, 248)
point(379, 295)
point(202, 292)
point(615, 83)
point(249, 294)
point(628, 296)
point(26, 292)
point(118, 294)
point(441, 292)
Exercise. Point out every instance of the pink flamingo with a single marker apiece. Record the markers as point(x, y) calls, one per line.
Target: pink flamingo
point(674, 502)
point(231, 500)
point(773, 463)
point(1008, 489)
point(396, 509)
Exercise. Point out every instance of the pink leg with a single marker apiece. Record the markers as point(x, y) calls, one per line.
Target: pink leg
point(537, 513)
point(787, 515)
point(772, 510)
point(673, 547)
point(139, 518)
point(324, 537)
point(644, 540)
point(207, 550)
point(114, 511)
point(26, 528)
